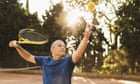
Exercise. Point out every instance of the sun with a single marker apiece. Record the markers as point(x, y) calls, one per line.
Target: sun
point(73, 17)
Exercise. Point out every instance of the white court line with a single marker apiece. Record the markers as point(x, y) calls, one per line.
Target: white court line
point(128, 82)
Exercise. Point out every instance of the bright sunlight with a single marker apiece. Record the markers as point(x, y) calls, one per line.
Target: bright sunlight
point(72, 17)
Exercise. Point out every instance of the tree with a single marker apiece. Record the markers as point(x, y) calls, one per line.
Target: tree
point(129, 22)
point(12, 18)
point(53, 21)
point(93, 57)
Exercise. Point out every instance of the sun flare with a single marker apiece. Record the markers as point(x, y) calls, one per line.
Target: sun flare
point(72, 17)
point(75, 14)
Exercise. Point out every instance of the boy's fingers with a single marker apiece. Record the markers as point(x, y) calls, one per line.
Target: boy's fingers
point(13, 43)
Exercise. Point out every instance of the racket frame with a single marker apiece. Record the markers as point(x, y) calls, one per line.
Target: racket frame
point(22, 40)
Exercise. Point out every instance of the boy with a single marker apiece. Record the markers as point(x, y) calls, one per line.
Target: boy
point(56, 69)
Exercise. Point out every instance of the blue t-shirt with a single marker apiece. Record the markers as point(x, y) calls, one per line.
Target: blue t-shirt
point(56, 72)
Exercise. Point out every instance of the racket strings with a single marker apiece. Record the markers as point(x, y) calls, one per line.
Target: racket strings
point(33, 36)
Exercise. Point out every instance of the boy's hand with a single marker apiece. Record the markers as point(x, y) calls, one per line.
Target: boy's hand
point(13, 43)
point(88, 30)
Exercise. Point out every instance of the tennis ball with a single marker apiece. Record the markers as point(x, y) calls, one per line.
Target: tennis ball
point(91, 5)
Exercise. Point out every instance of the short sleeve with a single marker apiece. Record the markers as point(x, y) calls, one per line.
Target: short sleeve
point(71, 64)
point(39, 60)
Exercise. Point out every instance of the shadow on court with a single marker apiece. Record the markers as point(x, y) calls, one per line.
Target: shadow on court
point(13, 78)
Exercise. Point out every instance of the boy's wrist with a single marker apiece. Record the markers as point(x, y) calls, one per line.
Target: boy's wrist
point(86, 35)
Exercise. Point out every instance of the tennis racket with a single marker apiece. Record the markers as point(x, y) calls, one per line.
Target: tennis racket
point(31, 36)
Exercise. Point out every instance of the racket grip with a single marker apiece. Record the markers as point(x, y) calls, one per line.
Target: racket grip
point(17, 42)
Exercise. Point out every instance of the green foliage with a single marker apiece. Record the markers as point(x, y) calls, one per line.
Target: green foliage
point(129, 22)
point(12, 18)
point(53, 23)
point(94, 53)
point(93, 57)
point(116, 61)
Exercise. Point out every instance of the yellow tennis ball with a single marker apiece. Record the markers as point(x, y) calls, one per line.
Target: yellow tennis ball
point(91, 5)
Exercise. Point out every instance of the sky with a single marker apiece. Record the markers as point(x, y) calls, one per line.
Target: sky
point(37, 6)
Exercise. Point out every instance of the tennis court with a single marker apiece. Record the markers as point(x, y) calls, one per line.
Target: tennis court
point(18, 78)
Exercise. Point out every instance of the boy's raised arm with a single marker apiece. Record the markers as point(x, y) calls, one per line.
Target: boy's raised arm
point(83, 44)
point(22, 52)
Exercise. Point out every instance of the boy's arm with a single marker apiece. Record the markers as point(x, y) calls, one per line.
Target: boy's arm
point(83, 44)
point(22, 52)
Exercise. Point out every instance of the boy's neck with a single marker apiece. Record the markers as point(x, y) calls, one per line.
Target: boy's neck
point(56, 57)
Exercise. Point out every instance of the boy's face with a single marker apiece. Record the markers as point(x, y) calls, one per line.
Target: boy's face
point(58, 49)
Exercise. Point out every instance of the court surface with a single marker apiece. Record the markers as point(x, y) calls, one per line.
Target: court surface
point(12, 78)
